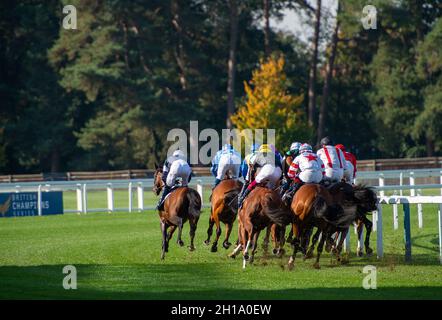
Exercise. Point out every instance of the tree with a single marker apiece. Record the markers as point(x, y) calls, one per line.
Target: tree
point(269, 105)
point(231, 65)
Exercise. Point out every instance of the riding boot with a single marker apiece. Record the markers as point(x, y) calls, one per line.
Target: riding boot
point(243, 196)
point(241, 193)
point(288, 196)
point(284, 187)
point(166, 191)
point(217, 181)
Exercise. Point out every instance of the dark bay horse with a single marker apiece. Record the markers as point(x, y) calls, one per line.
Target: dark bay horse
point(224, 209)
point(181, 205)
point(367, 202)
point(316, 205)
point(261, 208)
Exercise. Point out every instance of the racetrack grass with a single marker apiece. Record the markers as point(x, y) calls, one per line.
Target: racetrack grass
point(117, 256)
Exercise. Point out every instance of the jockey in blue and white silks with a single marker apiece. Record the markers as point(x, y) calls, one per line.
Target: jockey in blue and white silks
point(227, 159)
point(174, 167)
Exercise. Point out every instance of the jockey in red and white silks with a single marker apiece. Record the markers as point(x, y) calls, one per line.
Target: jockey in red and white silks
point(333, 159)
point(350, 171)
point(308, 167)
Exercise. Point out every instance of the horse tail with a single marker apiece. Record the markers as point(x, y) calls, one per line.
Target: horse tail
point(276, 211)
point(333, 214)
point(194, 203)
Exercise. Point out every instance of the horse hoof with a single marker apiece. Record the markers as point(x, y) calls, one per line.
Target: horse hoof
point(369, 251)
point(232, 255)
point(309, 254)
point(291, 263)
point(275, 251)
point(226, 245)
point(206, 242)
point(191, 248)
point(246, 257)
point(316, 265)
point(180, 242)
point(214, 249)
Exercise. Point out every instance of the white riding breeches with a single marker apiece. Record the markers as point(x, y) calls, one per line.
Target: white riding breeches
point(310, 176)
point(269, 175)
point(334, 175)
point(228, 162)
point(349, 172)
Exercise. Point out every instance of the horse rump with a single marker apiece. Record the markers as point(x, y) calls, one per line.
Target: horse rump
point(194, 203)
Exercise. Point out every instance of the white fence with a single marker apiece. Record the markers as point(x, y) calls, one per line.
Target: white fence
point(141, 185)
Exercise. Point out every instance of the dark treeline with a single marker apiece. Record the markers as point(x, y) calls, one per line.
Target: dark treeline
point(105, 95)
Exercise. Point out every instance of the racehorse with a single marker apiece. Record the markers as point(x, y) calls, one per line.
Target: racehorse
point(224, 208)
point(314, 204)
point(366, 202)
point(181, 204)
point(261, 208)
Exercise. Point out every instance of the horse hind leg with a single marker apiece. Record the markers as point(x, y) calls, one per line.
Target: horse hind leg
point(368, 226)
point(266, 241)
point(226, 243)
point(209, 230)
point(193, 224)
point(319, 251)
point(312, 246)
point(165, 244)
point(296, 245)
point(359, 230)
point(180, 231)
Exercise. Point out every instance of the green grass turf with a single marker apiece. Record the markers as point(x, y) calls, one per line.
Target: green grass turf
point(117, 256)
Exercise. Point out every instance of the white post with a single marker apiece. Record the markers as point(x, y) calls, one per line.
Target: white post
point(381, 184)
point(140, 196)
point(401, 182)
point(419, 212)
point(395, 216)
point(130, 196)
point(440, 233)
point(440, 182)
point(199, 188)
point(412, 183)
point(379, 240)
point(84, 198)
point(39, 200)
point(79, 199)
point(110, 198)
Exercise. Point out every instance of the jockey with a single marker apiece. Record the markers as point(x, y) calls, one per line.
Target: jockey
point(293, 151)
point(226, 159)
point(334, 160)
point(174, 167)
point(306, 168)
point(246, 162)
point(269, 174)
point(350, 171)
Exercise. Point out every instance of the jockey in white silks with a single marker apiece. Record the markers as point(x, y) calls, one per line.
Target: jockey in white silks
point(174, 167)
point(307, 167)
point(333, 159)
point(227, 159)
point(270, 172)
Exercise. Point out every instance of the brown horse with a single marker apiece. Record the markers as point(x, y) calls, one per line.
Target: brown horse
point(181, 204)
point(261, 208)
point(316, 205)
point(224, 208)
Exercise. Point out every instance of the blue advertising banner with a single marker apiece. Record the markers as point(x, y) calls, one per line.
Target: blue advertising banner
point(25, 204)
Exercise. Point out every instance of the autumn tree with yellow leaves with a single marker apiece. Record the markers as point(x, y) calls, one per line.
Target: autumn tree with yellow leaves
point(269, 105)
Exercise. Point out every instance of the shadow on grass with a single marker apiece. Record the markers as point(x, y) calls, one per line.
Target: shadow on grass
point(181, 282)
